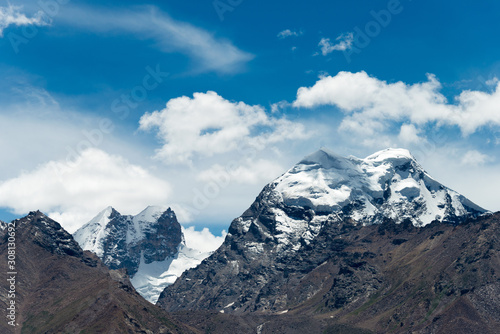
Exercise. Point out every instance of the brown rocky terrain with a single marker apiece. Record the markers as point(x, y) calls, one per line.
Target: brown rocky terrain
point(61, 289)
point(388, 278)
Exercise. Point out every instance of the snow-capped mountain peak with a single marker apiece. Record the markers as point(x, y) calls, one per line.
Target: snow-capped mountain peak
point(119, 239)
point(152, 213)
point(387, 184)
point(307, 218)
point(325, 158)
point(150, 245)
point(103, 217)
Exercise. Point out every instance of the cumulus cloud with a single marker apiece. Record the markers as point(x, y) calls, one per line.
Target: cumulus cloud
point(288, 33)
point(343, 42)
point(371, 104)
point(73, 192)
point(148, 22)
point(203, 240)
point(208, 124)
point(12, 15)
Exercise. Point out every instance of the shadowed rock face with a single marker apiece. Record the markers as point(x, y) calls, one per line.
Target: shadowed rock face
point(62, 289)
point(120, 240)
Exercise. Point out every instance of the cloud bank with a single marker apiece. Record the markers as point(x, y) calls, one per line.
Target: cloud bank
point(72, 193)
point(370, 104)
point(203, 240)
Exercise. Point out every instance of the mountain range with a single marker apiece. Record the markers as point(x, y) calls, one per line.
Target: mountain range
point(334, 245)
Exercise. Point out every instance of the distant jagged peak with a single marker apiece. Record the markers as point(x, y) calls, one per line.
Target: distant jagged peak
point(119, 239)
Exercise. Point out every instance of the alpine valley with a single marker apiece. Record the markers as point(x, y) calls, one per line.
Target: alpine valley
point(334, 245)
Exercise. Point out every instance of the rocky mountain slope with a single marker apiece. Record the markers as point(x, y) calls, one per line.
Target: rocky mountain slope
point(150, 246)
point(59, 288)
point(386, 278)
point(335, 235)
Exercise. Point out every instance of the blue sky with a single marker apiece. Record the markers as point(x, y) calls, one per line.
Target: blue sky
point(199, 104)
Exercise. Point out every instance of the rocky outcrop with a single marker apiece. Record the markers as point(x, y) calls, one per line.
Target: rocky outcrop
point(59, 288)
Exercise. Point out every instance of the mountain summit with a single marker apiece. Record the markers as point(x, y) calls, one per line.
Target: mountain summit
point(149, 245)
point(389, 184)
point(121, 240)
point(307, 218)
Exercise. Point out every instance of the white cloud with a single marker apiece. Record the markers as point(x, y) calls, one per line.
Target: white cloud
point(202, 240)
point(371, 104)
point(289, 33)
point(148, 22)
point(12, 15)
point(72, 193)
point(36, 127)
point(343, 42)
point(409, 134)
point(475, 158)
point(208, 124)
